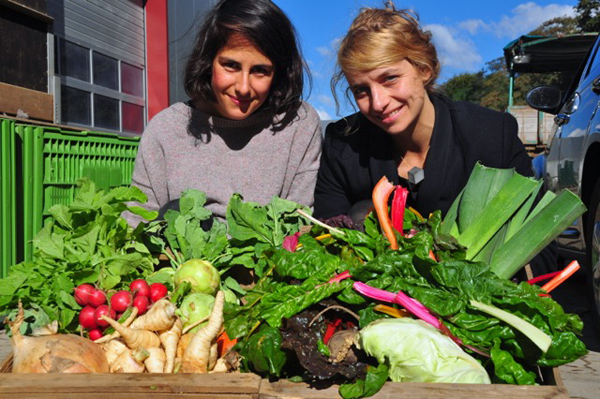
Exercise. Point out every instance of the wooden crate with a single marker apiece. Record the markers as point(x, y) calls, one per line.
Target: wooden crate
point(149, 386)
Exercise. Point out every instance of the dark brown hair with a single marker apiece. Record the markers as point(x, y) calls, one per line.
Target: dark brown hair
point(268, 28)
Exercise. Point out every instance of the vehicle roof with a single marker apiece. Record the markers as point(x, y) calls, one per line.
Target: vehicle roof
point(537, 54)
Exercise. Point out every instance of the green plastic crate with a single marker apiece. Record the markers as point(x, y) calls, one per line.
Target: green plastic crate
point(53, 160)
point(8, 233)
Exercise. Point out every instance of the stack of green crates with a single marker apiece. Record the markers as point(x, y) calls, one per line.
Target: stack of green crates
point(48, 164)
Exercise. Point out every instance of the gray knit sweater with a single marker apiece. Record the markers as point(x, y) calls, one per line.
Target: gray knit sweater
point(184, 148)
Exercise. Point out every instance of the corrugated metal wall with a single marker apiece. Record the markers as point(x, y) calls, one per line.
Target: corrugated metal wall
point(112, 27)
point(185, 16)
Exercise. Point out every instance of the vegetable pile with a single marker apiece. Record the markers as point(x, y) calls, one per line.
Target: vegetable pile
point(274, 292)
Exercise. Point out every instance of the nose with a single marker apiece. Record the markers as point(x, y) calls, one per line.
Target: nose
point(379, 99)
point(243, 84)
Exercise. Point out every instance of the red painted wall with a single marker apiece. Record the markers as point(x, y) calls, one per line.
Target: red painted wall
point(157, 56)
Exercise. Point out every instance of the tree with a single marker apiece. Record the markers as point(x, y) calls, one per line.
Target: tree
point(465, 87)
point(587, 15)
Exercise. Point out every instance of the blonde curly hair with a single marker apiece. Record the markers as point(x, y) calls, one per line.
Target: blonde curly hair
point(381, 37)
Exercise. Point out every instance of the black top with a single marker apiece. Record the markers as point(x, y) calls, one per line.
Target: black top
point(463, 133)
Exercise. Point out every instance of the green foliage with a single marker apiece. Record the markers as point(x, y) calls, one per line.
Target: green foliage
point(588, 15)
point(86, 242)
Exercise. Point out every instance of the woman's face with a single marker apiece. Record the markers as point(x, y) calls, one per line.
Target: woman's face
point(241, 78)
point(391, 97)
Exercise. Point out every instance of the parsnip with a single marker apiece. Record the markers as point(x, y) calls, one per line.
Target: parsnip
point(196, 356)
point(113, 348)
point(183, 343)
point(169, 340)
point(116, 334)
point(155, 363)
point(133, 337)
point(130, 361)
point(160, 317)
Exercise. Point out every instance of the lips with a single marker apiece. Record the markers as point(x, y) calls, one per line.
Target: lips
point(240, 102)
point(391, 116)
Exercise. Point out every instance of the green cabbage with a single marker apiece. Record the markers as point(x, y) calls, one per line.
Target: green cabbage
point(416, 352)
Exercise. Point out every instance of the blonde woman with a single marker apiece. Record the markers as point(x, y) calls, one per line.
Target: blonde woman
point(405, 130)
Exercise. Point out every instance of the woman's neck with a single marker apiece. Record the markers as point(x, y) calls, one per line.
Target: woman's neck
point(411, 147)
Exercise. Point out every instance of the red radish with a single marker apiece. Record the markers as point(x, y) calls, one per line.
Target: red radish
point(82, 293)
point(97, 298)
point(86, 317)
point(103, 310)
point(140, 287)
point(95, 334)
point(141, 303)
point(121, 301)
point(157, 291)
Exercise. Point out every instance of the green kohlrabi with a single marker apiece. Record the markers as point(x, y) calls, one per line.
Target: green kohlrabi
point(417, 352)
point(195, 307)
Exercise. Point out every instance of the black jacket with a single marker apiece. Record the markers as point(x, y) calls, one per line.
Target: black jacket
point(463, 134)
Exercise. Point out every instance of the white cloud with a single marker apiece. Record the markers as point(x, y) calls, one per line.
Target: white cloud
point(522, 19)
point(454, 51)
point(324, 51)
point(326, 100)
point(472, 25)
point(331, 49)
point(324, 115)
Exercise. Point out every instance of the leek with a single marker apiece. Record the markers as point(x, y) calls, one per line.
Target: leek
point(538, 232)
point(494, 217)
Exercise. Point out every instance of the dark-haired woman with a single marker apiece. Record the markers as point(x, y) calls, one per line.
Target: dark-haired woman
point(245, 128)
point(405, 130)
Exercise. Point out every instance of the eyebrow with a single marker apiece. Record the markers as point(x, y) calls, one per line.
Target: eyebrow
point(227, 59)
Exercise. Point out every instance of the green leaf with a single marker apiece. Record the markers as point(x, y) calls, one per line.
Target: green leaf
point(375, 379)
point(247, 221)
point(262, 352)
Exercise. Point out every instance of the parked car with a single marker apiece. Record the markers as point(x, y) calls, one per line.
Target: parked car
point(572, 161)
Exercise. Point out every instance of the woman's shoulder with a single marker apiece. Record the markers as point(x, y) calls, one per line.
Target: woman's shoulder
point(472, 112)
point(168, 121)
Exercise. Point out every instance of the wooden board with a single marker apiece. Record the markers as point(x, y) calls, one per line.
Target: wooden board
point(286, 390)
point(129, 386)
point(147, 386)
point(36, 104)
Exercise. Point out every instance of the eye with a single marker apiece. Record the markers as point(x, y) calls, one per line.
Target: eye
point(359, 92)
point(262, 70)
point(391, 79)
point(230, 65)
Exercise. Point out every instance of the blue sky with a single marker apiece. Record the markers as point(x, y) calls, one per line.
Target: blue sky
point(467, 33)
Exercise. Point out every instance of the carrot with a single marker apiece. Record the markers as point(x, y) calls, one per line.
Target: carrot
point(432, 255)
point(133, 337)
point(126, 323)
point(196, 356)
point(224, 343)
point(169, 340)
point(561, 277)
point(155, 363)
point(130, 361)
point(381, 194)
point(160, 317)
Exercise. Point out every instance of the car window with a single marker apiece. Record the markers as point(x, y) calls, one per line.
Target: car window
point(592, 65)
